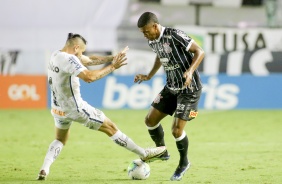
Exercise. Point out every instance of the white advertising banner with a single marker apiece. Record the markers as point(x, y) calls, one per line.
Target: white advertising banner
point(238, 50)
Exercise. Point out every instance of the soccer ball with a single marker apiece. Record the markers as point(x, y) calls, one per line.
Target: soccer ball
point(138, 170)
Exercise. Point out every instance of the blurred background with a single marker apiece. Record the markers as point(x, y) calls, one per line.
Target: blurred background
point(242, 40)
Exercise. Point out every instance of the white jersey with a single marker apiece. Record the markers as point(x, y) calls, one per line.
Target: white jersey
point(63, 69)
point(66, 102)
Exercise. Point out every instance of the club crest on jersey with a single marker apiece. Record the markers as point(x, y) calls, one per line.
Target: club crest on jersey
point(193, 114)
point(167, 48)
point(158, 98)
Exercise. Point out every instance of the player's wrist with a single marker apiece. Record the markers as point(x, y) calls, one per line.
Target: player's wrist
point(148, 77)
point(113, 67)
point(110, 58)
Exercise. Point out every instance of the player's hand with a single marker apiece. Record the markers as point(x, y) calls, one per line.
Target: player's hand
point(188, 76)
point(119, 60)
point(122, 52)
point(125, 49)
point(140, 78)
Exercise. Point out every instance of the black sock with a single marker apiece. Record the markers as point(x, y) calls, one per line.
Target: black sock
point(182, 147)
point(157, 135)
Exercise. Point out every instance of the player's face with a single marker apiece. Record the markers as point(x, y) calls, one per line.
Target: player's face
point(150, 31)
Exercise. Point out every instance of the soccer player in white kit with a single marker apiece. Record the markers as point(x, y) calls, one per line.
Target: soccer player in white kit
point(65, 68)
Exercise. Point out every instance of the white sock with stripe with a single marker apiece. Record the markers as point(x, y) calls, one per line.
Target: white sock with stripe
point(124, 141)
point(53, 152)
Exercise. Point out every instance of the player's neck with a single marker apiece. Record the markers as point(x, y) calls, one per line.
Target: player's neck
point(159, 28)
point(66, 49)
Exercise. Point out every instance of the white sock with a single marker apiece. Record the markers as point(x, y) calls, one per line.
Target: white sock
point(53, 152)
point(181, 137)
point(124, 141)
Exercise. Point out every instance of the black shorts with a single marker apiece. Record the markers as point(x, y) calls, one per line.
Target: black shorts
point(185, 105)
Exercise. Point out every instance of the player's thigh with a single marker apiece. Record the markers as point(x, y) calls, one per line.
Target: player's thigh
point(62, 123)
point(89, 116)
point(187, 105)
point(165, 102)
point(154, 116)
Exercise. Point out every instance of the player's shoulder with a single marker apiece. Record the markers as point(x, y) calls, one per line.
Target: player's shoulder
point(63, 56)
point(59, 54)
point(167, 32)
point(179, 33)
point(171, 30)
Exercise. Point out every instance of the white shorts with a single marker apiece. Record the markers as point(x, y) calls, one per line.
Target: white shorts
point(88, 116)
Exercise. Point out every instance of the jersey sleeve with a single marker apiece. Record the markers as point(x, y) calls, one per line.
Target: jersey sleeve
point(73, 65)
point(182, 38)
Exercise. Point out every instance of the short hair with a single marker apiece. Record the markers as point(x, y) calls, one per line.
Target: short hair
point(72, 37)
point(146, 18)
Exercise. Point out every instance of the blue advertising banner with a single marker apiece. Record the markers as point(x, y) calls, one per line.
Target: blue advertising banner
point(219, 92)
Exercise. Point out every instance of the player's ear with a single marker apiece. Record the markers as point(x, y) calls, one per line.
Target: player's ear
point(155, 25)
point(76, 47)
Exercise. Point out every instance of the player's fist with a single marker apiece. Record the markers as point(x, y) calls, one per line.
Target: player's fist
point(140, 78)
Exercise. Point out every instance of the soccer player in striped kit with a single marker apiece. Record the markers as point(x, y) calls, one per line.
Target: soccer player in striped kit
point(180, 56)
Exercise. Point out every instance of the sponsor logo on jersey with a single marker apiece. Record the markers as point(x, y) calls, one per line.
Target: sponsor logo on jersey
point(172, 67)
point(167, 36)
point(164, 61)
point(73, 61)
point(193, 114)
point(182, 34)
point(58, 112)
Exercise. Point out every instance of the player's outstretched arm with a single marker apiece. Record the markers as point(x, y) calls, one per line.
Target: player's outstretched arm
point(140, 77)
point(98, 60)
point(93, 75)
point(95, 60)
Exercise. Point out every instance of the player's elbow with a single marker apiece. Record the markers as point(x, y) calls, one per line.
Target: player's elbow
point(87, 76)
point(90, 78)
point(201, 53)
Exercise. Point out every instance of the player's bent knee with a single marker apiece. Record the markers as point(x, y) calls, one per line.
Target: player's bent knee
point(176, 132)
point(108, 127)
point(149, 122)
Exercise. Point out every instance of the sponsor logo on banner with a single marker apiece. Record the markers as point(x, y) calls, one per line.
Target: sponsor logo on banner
point(219, 92)
point(238, 51)
point(220, 96)
point(138, 96)
point(23, 92)
point(216, 95)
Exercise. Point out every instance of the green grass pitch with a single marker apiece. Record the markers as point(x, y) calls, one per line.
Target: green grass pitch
point(226, 147)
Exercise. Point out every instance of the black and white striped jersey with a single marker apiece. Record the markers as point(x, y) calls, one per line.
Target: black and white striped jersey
point(172, 47)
